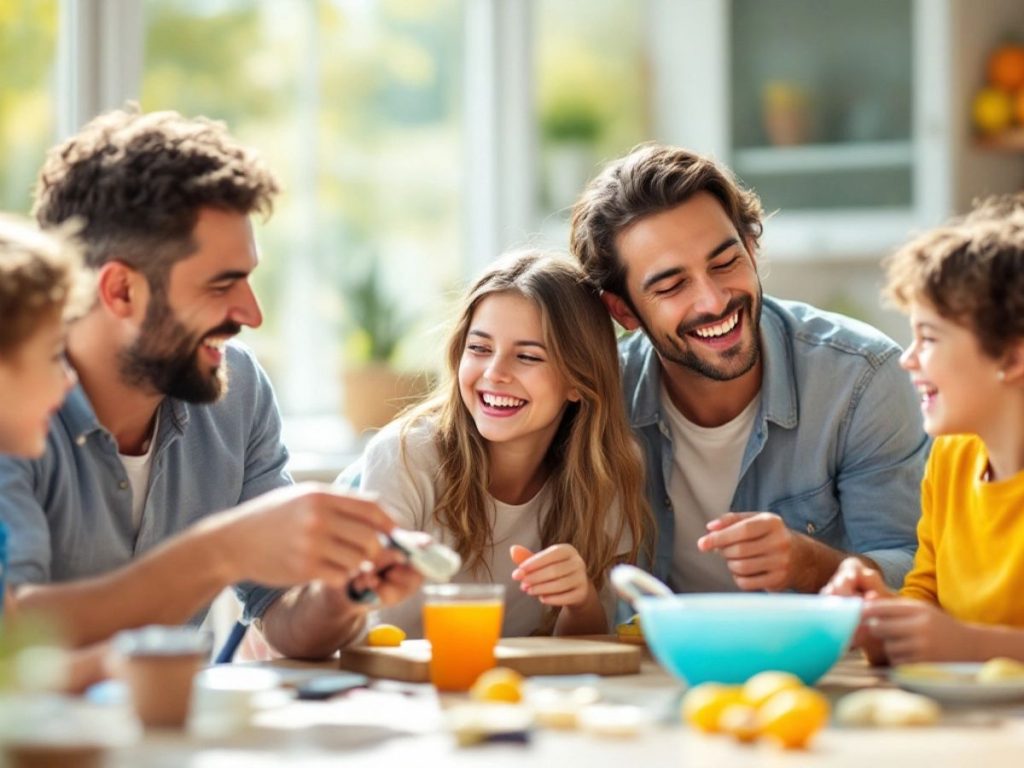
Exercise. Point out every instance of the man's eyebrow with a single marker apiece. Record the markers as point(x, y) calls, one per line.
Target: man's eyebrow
point(657, 277)
point(228, 275)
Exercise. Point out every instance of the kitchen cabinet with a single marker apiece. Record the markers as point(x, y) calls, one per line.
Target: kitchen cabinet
point(850, 119)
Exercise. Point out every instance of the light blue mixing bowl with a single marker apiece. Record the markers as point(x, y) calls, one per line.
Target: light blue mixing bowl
point(727, 638)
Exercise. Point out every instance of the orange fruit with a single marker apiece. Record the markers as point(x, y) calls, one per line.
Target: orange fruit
point(792, 717)
point(1018, 106)
point(1006, 67)
point(764, 685)
point(992, 110)
point(498, 684)
point(385, 635)
point(703, 705)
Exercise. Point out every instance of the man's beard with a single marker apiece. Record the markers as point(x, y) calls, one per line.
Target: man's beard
point(676, 349)
point(165, 357)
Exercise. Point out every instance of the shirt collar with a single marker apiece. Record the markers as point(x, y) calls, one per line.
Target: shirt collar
point(81, 421)
point(778, 388)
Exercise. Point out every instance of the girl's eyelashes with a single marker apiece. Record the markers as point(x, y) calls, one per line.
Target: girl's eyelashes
point(478, 349)
point(531, 358)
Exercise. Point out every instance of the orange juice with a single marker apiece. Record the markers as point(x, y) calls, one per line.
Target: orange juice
point(462, 632)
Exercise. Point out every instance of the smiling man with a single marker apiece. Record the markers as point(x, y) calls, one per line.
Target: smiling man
point(778, 437)
point(171, 422)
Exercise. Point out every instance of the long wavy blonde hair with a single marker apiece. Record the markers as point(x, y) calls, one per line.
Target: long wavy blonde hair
point(593, 461)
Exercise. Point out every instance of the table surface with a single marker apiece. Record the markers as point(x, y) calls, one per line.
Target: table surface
point(392, 724)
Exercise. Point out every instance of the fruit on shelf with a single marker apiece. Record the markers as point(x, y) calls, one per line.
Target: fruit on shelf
point(992, 110)
point(1006, 67)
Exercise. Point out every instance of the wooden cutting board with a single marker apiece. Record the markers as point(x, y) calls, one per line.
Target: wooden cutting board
point(527, 655)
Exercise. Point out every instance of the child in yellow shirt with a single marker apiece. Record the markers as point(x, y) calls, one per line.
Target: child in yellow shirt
point(963, 288)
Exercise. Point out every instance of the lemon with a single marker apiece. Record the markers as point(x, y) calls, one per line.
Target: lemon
point(630, 628)
point(703, 705)
point(385, 636)
point(792, 716)
point(992, 110)
point(498, 684)
point(764, 685)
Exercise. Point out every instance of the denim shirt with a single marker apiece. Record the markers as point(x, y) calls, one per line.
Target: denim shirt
point(837, 448)
point(69, 513)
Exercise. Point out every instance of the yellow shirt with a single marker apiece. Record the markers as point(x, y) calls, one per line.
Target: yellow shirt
point(970, 555)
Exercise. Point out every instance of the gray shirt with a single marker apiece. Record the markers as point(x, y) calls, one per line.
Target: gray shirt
point(69, 513)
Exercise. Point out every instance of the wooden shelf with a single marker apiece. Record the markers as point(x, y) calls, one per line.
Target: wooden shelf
point(1009, 141)
point(819, 158)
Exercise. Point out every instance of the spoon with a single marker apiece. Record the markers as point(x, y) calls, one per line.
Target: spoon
point(632, 583)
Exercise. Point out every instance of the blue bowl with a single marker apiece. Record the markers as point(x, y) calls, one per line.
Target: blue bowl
point(727, 638)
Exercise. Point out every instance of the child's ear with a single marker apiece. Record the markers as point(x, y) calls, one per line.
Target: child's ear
point(121, 289)
point(620, 311)
point(1012, 369)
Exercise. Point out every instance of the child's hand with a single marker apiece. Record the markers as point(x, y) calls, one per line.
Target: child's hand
point(555, 576)
point(913, 630)
point(854, 578)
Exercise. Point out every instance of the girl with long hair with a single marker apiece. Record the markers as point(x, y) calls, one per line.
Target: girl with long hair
point(523, 460)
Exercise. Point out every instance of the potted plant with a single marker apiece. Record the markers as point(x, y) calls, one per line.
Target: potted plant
point(373, 390)
point(571, 121)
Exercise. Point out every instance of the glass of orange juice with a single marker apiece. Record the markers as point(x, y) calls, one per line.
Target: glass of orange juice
point(463, 624)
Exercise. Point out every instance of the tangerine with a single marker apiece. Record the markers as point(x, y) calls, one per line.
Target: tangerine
point(1006, 67)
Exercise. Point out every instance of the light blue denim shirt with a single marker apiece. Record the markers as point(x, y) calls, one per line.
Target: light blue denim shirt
point(69, 513)
point(837, 448)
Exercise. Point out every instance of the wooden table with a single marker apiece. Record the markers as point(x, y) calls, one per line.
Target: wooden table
point(394, 724)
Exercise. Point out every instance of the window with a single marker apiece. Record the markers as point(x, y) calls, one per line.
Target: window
point(28, 46)
point(356, 106)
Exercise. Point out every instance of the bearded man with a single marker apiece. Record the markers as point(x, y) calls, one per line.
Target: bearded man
point(779, 438)
point(171, 422)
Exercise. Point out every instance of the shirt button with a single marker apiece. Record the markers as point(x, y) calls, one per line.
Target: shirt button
point(123, 485)
point(811, 528)
point(80, 440)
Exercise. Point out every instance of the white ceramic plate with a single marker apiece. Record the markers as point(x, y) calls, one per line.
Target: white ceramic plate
point(955, 683)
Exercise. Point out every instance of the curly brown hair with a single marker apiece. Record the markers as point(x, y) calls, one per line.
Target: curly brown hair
point(40, 277)
point(650, 179)
point(138, 181)
point(970, 270)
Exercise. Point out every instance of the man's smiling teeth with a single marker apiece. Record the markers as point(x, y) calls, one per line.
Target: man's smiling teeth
point(500, 401)
point(216, 343)
point(722, 328)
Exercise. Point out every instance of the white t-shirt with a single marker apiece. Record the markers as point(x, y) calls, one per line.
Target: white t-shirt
point(705, 472)
point(138, 468)
point(408, 489)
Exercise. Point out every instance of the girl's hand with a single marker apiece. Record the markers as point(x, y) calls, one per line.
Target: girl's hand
point(555, 576)
point(913, 630)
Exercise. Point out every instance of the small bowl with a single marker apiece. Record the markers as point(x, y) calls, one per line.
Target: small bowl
point(727, 638)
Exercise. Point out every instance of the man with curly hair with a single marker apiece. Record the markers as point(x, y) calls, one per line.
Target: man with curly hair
point(114, 526)
point(778, 437)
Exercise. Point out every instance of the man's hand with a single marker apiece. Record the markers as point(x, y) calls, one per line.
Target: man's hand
point(555, 576)
point(391, 578)
point(301, 534)
point(914, 630)
point(757, 546)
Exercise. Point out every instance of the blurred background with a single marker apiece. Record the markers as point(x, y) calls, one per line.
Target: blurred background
point(418, 139)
